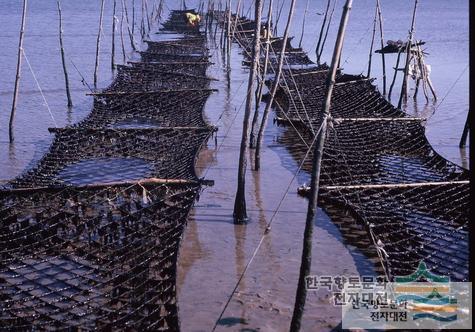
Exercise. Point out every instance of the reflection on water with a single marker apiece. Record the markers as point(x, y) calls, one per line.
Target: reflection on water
point(105, 170)
point(136, 122)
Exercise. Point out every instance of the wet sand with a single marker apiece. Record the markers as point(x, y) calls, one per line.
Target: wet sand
point(215, 252)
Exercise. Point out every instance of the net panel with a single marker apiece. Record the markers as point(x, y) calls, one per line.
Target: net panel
point(89, 237)
point(377, 164)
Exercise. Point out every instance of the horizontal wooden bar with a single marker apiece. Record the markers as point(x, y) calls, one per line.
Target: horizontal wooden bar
point(172, 62)
point(144, 182)
point(113, 93)
point(148, 129)
point(396, 185)
point(380, 119)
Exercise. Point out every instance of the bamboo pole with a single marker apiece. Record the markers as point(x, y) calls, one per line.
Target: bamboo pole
point(228, 34)
point(124, 59)
point(396, 69)
point(144, 182)
point(148, 17)
point(372, 43)
point(113, 36)
point(422, 74)
point(262, 80)
point(466, 129)
point(18, 70)
point(63, 60)
point(131, 34)
point(326, 31)
point(380, 17)
point(397, 185)
point(305, 266)
point(240, 211)
point(408, 56)
point(426, 74)
point(133, 17)
point(278, 17)
point(303, 24)
point(98, 44)
point(317, 50)
point(275, 86)
point(142, 22)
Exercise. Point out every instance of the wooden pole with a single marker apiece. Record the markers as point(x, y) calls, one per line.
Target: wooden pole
point(142, 22)
point(63, 60)
point(148, 17)
point(131, 33)
point(122, 36)
point(396, 69)
point(372, 43)
point(98, 44)
point(18, 70)
point(113, 36)
point(426, 74)
point(275, 86)
point(262, 79)
point(278, 17)
point(408, 56)
point(305, 266)
point(466, 129)
point(303, 24)
point(240, 211)
point(228, 34)
point(380, 17)
point(326, 31)
point(422, 74)
point(317, 51)
point(133, 17)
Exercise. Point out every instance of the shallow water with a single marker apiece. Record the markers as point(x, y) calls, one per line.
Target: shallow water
point(105, 170)
point(442, 24)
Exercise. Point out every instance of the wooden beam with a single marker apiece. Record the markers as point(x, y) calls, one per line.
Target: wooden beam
point(144, 182)
point(396, 185)
point(148, 129)
point(118, 93)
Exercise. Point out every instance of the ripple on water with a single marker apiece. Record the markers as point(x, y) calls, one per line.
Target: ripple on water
point(105, 170)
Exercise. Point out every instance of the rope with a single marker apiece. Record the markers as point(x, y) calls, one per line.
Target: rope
point(268, 228)
point(83, 80)
point(39, 88)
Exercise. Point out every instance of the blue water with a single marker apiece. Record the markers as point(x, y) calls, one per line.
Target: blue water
point(442, 24)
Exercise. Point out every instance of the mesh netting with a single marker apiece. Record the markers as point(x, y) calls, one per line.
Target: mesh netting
point(89, 236)
point(378, 169)
point(99, 258)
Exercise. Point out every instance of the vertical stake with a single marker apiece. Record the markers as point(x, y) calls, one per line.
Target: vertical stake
point(396, 69)
point(305, 266)
point(98, 44)
point(18, 70)
point(63, 60)
point(380, 17)
point(372, 43)
point(113, 36)
point(408, 57)
point(262, 79)
point(240, 211)
point(303, 24)
point(466, 129)
point(275, 86)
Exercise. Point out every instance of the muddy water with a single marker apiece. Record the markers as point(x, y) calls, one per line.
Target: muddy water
point(215, 251)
